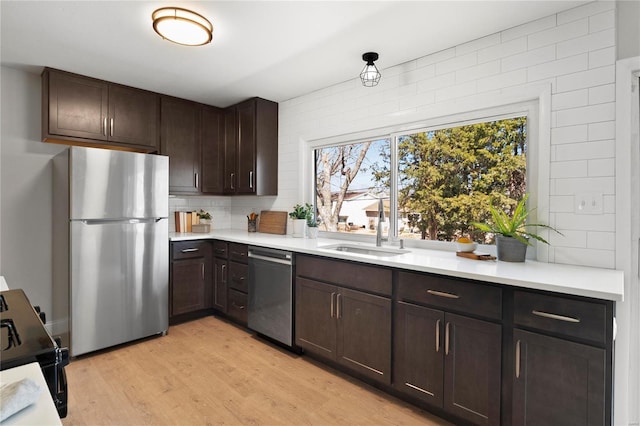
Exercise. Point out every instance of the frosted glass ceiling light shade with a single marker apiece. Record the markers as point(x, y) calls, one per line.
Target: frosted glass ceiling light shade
point(370, 75)
point(182, 26)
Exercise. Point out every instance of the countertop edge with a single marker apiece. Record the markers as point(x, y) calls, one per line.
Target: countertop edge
point(558, 278)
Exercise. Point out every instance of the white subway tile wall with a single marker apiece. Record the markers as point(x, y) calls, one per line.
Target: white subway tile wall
point(574, 51)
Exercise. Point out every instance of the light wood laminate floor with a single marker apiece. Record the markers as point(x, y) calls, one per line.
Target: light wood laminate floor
point(210, 372)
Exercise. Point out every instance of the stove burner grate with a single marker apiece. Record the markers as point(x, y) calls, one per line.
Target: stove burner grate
point(3, 304)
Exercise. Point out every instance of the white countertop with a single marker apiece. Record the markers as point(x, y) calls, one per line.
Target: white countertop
point(607, 284)
point(43, 411)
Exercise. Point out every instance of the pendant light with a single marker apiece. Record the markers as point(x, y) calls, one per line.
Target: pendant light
point(370, 75)
point(182, 26)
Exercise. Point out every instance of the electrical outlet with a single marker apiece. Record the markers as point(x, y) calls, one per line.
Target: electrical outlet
point(589, 203)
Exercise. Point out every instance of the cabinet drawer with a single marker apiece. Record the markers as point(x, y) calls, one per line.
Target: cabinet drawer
point(354, 275)
point(563, 316)
point(221, 249)
point(451, 294)
point(238, 277)
point(237, 307)
point(238, 252)
point(189, 249)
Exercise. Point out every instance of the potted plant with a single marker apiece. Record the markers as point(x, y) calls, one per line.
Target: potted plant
point(300, 214)
point(205, 217)
point(312, 227)
point(512, 236)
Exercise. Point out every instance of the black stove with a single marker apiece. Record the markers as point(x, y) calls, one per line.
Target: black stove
point(24, 339)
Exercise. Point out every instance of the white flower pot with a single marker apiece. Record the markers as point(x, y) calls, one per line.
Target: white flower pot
point(299, 226)
point(312, 232)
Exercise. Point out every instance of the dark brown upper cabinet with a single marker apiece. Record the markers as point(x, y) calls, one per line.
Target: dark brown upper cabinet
point(78, 110)
point(212, 150)
point(251, 148)
point(180, 140)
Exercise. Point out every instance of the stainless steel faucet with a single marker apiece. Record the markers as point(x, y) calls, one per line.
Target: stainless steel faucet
point(381, 220)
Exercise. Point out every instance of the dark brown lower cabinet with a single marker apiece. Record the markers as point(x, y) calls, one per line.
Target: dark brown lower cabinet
point(557, 382)
point(450, 361)
point(237, 306)
point(191, 276)
point(221, 275)
point(350, 327)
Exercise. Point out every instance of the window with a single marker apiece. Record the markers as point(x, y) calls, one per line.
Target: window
point(346, 194)
point(435, 179)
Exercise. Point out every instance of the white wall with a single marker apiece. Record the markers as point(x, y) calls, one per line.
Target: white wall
point(25, 179)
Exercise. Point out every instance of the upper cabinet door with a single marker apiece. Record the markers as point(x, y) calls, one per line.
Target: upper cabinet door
point(78, 106)
point(246, 115)
point(133, 116)
point(212, 150)
point(230, 150)
point(180, 140)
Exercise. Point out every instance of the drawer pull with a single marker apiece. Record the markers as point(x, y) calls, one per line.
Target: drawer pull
point(443, 294)
point(438, 336)
point(189, 250)
point(555, 316)
point(237, 306)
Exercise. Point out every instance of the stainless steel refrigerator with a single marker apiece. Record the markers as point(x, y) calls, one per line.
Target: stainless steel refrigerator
point(111, 246)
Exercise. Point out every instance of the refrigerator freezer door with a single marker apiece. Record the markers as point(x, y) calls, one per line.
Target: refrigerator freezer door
point(116, 184)
point(119, 282)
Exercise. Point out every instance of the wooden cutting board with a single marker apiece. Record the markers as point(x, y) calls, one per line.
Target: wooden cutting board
point(272, 222)
point(476, 256)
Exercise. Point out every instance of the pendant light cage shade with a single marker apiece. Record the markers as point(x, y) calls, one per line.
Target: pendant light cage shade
point(182, 26)
point(370, 75)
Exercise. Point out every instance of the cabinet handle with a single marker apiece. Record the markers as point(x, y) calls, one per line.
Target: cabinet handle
point(338, 313)
point(104, 127)
point(196, 179)
point(233, 175)
point(518, 359)
point(446, 339)
point(251, 179)
point(237, 306)
point(555, 316)
point(219, 251)
point(332, 305)
point(224, 267)
point(443, 294)
point(202, 271)
point(438, 336)
point(189, 250)
point(111, 131)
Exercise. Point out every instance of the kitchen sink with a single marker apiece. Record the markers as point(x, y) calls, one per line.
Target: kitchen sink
point(369, 251)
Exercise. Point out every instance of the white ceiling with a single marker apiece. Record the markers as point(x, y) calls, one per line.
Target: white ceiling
point(277, 50)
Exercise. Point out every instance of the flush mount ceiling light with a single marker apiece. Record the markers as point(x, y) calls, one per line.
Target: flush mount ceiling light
point(370, 75)
point(182, 26)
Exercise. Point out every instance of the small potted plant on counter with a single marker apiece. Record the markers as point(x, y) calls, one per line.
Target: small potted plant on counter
point(512, 236)
point(205, 217)
point(312, 227)
point(300, 214)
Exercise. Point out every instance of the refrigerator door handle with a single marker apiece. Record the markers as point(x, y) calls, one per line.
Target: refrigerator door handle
point(125, 220)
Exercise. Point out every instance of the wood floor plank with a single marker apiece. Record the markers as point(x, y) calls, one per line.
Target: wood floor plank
point(210, 372)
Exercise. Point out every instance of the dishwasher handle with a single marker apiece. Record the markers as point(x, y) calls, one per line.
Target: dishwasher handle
point(282, 261)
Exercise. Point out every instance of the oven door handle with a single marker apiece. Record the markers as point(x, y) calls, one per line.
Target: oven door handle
point(270, 259)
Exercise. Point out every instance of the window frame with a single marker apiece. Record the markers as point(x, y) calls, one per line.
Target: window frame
point(534, 103)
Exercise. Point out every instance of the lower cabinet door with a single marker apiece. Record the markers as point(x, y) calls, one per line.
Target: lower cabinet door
point(557, 382)
point(315, 322)
point(364, 333)
point(419, 352)
point(221, 275)
point(472, 375)
point(188, 286)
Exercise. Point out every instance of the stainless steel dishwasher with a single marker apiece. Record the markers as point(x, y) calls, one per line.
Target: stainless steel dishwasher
point(270, 310)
